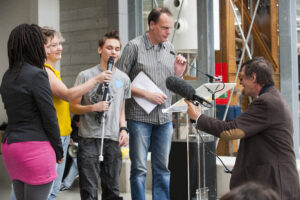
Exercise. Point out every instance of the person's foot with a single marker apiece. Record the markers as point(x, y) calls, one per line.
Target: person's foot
point(63, 188)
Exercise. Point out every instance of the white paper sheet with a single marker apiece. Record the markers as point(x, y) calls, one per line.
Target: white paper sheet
point(142, 81)
point(179, 106)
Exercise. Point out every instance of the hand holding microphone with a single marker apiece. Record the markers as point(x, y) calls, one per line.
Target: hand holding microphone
point(103, 105)
point(106, 76)
point(179, 65)
point(110, 64)
point(211, 78)
point(179, 86)
point(103, 77)
point(193, 111)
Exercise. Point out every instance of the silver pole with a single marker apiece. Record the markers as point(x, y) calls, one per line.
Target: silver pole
point(101, 158)
point(188, 156)
point(242, 56)
point(199, 164)
point(240, 28)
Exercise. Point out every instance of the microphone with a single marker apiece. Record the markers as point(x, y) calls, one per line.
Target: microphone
point(211, 78)
point(179, 86)
point(110, 64)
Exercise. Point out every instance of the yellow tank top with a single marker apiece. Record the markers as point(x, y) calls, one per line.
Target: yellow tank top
point(62, 109)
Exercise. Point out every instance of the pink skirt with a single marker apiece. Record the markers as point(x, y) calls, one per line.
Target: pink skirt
point(33, 163)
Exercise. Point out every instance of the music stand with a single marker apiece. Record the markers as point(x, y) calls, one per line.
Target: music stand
point(209, 91)
point(203, 91)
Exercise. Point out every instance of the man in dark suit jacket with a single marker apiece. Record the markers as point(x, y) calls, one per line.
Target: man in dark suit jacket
point(265, 153)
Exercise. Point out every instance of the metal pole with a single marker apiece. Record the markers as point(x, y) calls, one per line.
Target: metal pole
point(101, 158)
point(188, 157)
point(240, 28)
point(242, 57)
point(288, 61)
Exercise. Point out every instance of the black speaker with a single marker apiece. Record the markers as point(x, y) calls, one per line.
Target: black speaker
point(178, 168)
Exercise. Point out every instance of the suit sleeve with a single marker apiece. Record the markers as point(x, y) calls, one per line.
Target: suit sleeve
point(44, 100)
point(249, 123)
point(255, 119)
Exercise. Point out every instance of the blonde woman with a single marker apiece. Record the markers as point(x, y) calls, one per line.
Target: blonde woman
point(62, 95)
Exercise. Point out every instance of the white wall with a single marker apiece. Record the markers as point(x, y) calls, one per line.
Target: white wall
point(12, 13)
point(48, 13)
point(82, 22)
point(15, 12)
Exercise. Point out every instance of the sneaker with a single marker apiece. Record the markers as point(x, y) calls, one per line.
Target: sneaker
point(63, 188)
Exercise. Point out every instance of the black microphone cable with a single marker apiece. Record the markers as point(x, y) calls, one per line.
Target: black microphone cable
point(228, 171)
point(205, 74)
point(211, 78)
point(213, 93)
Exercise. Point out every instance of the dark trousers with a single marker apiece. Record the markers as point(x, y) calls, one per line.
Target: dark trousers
point(32, 192)
point(90, 168)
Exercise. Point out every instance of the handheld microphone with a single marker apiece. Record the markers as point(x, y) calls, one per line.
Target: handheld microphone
point(211, 78)
point(110, 64)
point(179, 86)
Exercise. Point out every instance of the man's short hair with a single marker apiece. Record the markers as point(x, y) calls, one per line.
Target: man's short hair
point(262, 68)
point(155, 14)
point(113, 34)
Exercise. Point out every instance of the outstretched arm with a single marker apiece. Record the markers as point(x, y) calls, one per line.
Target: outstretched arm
point(60, 90)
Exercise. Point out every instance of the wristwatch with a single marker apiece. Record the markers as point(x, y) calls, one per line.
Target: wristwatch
point(124, 128)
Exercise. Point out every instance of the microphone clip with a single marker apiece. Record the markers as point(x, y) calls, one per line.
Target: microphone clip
point(228, 171)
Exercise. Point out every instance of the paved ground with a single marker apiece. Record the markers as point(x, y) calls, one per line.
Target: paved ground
point(73, 194)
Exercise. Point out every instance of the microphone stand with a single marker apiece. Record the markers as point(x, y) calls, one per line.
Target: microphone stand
point(103, 119)
point(110, 63)
point(201, 193)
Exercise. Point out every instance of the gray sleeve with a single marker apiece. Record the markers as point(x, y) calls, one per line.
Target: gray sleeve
point(80, 79)
point(128, 58)
point(127, 92)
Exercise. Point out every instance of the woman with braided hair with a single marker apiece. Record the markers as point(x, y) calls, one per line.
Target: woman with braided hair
point(31, 144)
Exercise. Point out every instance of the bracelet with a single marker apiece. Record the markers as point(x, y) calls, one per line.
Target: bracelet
point(124, 128)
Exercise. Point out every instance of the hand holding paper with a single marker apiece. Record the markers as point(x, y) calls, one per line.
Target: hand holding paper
point(142, 81)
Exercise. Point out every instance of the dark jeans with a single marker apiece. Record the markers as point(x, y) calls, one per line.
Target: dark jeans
point(90, 168)
point(32, 192)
